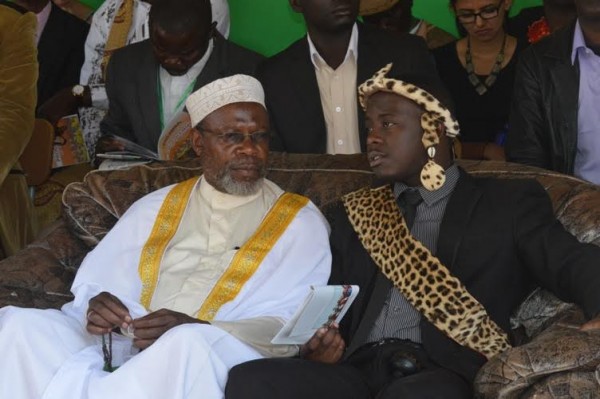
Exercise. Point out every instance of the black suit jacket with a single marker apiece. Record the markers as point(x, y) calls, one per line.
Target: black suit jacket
point(131, 86)
point(543, 124)
point(500, 238)
point(292, 92)
point(60, 53)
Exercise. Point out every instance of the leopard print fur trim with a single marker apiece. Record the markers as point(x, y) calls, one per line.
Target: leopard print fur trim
point(433, 107)
point(425, 282)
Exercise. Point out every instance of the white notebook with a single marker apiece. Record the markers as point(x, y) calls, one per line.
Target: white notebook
point(323, 306)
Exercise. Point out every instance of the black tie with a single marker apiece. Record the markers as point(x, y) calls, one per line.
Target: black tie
point(408, 201)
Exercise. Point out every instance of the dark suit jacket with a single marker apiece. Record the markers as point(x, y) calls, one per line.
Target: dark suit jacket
point(131, 86)
point(60, 52)
point(292, 92)
point(500, 238)
point(543, 118)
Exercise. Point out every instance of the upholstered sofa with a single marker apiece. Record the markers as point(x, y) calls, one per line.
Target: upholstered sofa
point(556, 360)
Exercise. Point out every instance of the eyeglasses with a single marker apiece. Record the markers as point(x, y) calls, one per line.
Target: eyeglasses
point(236, 138)
point(489, 12)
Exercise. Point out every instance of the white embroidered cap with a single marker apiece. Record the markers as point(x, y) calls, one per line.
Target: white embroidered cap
point(232, 89)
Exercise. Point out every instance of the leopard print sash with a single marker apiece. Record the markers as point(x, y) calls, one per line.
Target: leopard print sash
point(425, 282)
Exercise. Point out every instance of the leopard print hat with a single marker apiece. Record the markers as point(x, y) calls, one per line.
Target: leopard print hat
point(434, 109)
point(433, 176)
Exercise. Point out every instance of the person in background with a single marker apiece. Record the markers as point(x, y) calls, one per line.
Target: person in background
point(115, 24)
point(396, 16)
point(76, 8)
point(310, 86)
point(148, 82)
point(60, 39)
point(554, 119)
point(478, 70)
point(535, 23)
point(193, 279)
point(18, 75)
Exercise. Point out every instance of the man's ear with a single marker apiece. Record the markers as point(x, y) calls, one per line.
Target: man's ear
point(197, 142)
point(297, 6)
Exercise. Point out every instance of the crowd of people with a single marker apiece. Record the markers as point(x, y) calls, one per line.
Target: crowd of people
point(196, 279)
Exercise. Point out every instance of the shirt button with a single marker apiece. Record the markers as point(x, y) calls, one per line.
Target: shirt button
point(338, 109)
point(336, 77)
point(340, 142)
point(396, 309)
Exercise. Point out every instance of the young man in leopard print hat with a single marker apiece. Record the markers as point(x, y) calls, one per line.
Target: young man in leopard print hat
point(442, 259)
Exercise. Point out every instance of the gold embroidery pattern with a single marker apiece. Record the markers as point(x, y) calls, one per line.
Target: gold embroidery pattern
point(425, 282)
point(252, 253)
point(165, 226)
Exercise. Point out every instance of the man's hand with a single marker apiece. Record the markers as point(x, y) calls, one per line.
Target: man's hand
point(105, 312)
point(326, 346)
point(151, 327)
point(591, 325)
point(64, 103)
point(493, 152)
point(108, 144)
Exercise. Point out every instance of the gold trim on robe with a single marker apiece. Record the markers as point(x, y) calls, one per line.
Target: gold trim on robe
point(244, 263)
point(165, 226)
point(252, 253)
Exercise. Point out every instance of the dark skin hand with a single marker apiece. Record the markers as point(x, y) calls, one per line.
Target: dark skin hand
point(108, 144)
point(105, 312)
point(325, 346)
point(64, 103)
point(591, 325)
point(152, 326)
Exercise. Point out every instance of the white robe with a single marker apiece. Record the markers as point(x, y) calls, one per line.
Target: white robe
point(49, 354)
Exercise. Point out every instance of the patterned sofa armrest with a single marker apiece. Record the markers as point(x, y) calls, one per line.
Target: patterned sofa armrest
point(40, 275)
point(560, 362)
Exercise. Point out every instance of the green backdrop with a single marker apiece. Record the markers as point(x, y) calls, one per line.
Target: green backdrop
point(273, 25)
point(268, 26)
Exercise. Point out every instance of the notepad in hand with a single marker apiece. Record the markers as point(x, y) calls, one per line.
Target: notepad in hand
point(322, 307)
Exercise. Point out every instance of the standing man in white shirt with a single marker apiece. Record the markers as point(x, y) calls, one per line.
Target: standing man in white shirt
point(311, 86)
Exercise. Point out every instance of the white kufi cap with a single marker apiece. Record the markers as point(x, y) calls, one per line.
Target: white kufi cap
point(221, 92)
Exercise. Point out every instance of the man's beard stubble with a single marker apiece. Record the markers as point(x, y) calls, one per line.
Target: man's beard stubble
point(231, 186)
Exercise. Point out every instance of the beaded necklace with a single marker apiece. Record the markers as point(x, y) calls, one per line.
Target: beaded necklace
point(482, 87)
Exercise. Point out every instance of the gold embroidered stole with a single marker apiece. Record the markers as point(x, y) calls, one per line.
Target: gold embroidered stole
point(249, 257)
point(119, 30)
point(244, 263)
point(166, 224)
point(425, 282)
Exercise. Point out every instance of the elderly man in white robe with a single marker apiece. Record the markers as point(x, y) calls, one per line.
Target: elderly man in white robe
point(195, 278)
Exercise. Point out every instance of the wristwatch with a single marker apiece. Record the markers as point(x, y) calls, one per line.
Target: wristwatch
point(77, 91)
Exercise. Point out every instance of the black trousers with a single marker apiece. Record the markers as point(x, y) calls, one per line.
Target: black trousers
point(294, 378)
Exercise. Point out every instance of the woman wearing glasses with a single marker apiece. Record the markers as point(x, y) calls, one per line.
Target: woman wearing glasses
point(478, 70)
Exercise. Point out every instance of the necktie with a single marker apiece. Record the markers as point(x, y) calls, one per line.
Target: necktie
point(408, 201)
